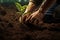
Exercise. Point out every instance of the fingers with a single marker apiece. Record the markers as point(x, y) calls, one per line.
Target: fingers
point(23, 18)
point(33, 20)
point(28, 19)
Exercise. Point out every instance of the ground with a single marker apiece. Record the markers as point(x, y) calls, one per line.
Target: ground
point(11, 29)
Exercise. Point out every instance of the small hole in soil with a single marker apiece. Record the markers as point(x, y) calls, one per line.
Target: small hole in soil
point(0, 20)
point(28, 38)
point(2, 24)
point(10, 25)
point(3, 13)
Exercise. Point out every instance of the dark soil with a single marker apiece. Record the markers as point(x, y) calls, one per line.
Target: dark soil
point(11, 29)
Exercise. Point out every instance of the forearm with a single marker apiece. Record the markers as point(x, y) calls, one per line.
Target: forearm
point(36, 2)
point(46, 4)
point(33, 5)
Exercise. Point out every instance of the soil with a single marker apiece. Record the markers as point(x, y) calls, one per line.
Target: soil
point(11, 29)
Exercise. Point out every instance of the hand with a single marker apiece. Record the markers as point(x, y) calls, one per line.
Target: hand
point(23, 18)
point(35, 17)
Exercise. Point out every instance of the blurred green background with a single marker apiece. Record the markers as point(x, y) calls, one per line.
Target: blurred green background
point(13, 1)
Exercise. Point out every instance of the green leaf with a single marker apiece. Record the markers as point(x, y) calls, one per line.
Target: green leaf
point(18, 6)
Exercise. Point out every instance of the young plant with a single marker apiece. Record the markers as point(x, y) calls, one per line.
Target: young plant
point(20, 8)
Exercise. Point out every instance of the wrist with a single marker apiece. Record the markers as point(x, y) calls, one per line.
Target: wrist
point(40, 10)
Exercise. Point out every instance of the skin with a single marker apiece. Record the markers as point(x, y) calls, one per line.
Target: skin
point(30, 7)
point(38, 15)
point(33, 5)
